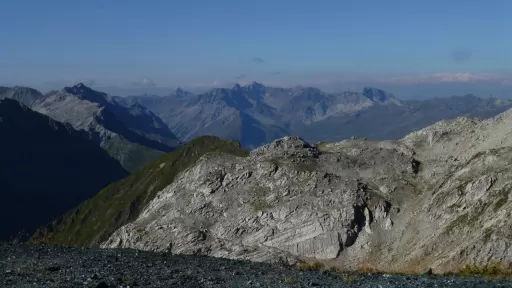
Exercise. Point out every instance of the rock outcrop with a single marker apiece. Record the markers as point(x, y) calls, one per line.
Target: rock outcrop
point(439, 198)
point(287, 199)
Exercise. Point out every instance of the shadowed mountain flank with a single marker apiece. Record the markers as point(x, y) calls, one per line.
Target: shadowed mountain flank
point(133, 135)
point(47, 168)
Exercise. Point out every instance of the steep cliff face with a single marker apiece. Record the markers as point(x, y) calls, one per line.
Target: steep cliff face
point(438, 198)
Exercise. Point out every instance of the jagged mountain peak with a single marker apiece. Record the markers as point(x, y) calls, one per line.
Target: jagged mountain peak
point(81, 85)
point(377, 95)
point(84, 92)
point(110, 123)
point(181, 93)
point(77, 88)
point(236, 97)
point(252, 86)
point(254, 91)
point(256, 86)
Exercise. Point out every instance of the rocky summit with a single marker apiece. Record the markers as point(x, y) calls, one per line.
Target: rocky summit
point(437, 199)
point(286, 200)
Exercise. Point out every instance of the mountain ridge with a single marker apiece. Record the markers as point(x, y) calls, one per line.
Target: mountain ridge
point(133, 135)
point(37, 184)
point(354, 202)
point(306, 111)
point(253, 114)
point(22, 94)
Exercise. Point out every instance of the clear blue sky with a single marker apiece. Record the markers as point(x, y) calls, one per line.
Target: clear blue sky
point(170, 42)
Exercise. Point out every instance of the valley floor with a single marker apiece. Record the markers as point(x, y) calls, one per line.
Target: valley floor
point(49, 266)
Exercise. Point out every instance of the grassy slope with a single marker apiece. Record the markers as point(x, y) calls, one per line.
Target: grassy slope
point(121, 202)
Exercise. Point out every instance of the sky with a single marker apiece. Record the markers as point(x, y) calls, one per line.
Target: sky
point(137, 46)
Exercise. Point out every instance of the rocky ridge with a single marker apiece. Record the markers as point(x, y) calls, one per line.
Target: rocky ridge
point(439, 198)
point(24, 95)
point(131, 134)
point(255, 114)
point(287, 198)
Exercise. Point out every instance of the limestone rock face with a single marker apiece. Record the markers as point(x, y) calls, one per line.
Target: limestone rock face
point(439, 198)
point(286, 196)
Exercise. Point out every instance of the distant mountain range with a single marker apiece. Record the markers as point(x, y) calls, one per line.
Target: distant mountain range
point(46, 168)
point(131, 134)
point(204, 197)
point(137, 129)
point(256, 114)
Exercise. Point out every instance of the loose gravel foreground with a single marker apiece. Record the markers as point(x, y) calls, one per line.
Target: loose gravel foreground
point(49, 266)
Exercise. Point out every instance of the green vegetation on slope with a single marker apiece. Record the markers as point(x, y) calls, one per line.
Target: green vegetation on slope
point(492, 270)
point(121, 202)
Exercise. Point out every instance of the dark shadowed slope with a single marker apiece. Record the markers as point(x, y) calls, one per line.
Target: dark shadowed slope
point(46, 168)
point(120, 203)
point(131, 134)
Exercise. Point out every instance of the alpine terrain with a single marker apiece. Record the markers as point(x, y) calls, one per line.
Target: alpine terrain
point(256, 114)
point(437, 198)
point(46, 169)
point(133, 135)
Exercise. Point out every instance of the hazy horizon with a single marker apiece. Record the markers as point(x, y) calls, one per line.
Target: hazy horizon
point(411, 49)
